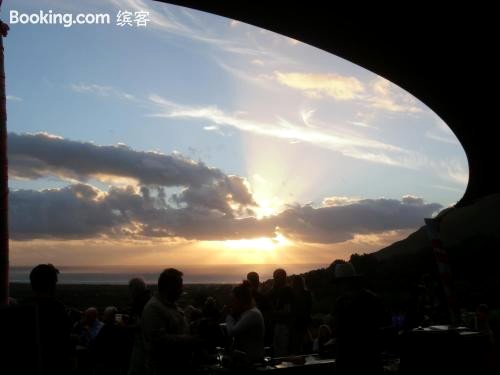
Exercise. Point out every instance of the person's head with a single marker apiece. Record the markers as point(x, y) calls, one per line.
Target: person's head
point(43, 279)
point(90, 315)
point(253, 279)
point(136, 287)
point(346, 278)
point(298, 283)
point(279, 277)
point(109, 314)
point(170, 284)
point(210, 307)
point(242, 297)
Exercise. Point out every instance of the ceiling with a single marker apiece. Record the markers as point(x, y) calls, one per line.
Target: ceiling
point(444, 57)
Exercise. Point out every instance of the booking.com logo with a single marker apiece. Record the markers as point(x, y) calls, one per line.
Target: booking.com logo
point(123, 18)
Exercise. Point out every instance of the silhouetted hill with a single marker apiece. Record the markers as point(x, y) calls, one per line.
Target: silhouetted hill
point(471, 236)
point(411, 245)
point(481, 219)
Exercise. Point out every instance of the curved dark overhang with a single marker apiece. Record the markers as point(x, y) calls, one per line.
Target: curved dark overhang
point(445, 58)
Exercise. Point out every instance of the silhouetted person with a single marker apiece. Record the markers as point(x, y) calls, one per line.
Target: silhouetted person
point(208, 327)
point(261, 300)
point(416, 310)
point(262, 303)
point(54, 323)
point(324, 342)
point(435, 309)
point(358, 319)
point(139, 296)
point(167, 342)
point(301, 309)
point(89, 327)
point(210, 309)
point(281, 300)
point(245, 324)
point(111, 347)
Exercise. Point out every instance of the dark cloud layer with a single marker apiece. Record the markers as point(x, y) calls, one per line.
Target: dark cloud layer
point(210, 206)
point(341, 223)
point(35, 156)
point(80, 211)
point(38, 155)
point(72, 212)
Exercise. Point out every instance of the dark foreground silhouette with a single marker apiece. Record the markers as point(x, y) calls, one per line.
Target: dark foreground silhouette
point(273, 326)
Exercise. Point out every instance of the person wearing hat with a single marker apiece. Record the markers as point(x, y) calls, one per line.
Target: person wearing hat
point(358, 319)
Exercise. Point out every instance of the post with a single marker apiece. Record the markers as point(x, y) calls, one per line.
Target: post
point(4, 190)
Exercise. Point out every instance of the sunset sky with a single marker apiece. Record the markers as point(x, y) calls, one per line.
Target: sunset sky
point(202, 140)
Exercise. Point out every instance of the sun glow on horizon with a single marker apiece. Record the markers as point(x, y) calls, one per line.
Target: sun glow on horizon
point(261, 243)
point(259, 250)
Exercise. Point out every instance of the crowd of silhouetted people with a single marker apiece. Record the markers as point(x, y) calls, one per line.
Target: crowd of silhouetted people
point(156, 336)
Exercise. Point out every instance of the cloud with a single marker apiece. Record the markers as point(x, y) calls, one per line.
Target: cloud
point(14, 98)
point(442, 133)
point(339, 201)
point(33, 156)
point(338, 223)
point(380, 93)
point(101, 90)
point(38, 155)
point(258, 62)
point(159, 18)
point(448, 188)
point(318, 85)
point(306, 115)
point(347, 144)
point(81, 211)
point(222, 196)
point(189, 24)
point(248, 74)
point(454, 171)
point(411, 199)
point(311, 131)
point(76, 211)
point(441, 138)
point(387, 96)
point(293, 42)
point(362, 124)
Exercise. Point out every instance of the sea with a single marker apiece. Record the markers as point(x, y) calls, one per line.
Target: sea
point(193, 274)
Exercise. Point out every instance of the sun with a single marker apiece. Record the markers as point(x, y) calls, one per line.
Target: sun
point(266, 208)
point(268, 203)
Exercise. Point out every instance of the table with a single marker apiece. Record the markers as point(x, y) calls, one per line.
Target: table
point(313, 364)
point(443, 349)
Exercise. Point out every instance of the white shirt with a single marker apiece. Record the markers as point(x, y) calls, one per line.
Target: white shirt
point(248, 333)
